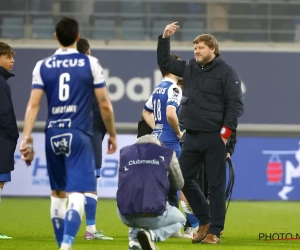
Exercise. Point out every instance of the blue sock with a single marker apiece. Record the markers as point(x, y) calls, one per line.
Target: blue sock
point(72, 224)
point(73, 219)
point(90, 209)
point(59, 227)
point(58, 211)
point(192, 219)
point(189, 214)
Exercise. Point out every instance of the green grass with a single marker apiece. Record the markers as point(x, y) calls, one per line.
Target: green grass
point(27, 221)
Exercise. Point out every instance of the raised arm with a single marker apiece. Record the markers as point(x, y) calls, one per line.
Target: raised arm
point(164, 59)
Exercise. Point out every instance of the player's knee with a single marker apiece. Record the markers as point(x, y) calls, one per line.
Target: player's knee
point(59, 194)
point(76, 202)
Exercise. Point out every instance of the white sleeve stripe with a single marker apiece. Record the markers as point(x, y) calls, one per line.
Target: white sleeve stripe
point(97, 70)
point(99, 83)
point(36, 74)
point(37, 83)
point(149, 103)
point(148, 109)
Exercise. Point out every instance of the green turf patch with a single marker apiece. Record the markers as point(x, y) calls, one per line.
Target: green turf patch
point(28, 222)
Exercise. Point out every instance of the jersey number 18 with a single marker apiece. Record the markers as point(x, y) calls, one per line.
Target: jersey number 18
point(157, 110)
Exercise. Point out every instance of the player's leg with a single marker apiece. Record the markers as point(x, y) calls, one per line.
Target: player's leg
point(1, 184)
point(192, 223)
point(193, 220)
point(57, 177)
point(90, 209)
point(90, 206)
point(92, 198)
point(173, 198)
point(58, 213)
point(7, 150)
point(173, 194)
point(187, 225)
point(4, 177)
point(80, 167)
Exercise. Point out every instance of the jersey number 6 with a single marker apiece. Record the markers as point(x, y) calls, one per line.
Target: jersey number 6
point(64, 88)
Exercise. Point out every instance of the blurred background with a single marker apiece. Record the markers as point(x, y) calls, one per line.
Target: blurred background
point(235, 20)
point(260, 38)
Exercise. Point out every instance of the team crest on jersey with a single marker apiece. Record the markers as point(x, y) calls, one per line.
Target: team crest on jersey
point(176, 90)
point(175, 93)
point(61, 144)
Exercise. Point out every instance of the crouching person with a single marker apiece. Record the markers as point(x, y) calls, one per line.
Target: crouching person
point(147, 171)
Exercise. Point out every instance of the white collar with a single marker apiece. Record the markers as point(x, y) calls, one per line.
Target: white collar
point(169, 80)
point(66, 51)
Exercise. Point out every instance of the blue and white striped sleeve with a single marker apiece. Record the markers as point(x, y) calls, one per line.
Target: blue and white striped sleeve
point(37, 81)
point(174, 96)
point(97, 72)
point(149, 105)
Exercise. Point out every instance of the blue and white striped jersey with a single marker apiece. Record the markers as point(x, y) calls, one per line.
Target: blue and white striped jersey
point(165, 94)
point(68, 79)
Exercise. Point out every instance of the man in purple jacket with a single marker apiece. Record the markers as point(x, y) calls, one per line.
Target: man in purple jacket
point(147, 171)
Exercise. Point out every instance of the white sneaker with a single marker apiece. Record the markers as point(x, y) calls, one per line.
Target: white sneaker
point(146, 240)
point(190, 232)
point(177, 235)
point(133, 245)
point(195, 230)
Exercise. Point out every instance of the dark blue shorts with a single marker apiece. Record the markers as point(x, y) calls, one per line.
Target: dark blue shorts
point(5, 177)
point(174, 146)
point(70, 160)
point(97, 147)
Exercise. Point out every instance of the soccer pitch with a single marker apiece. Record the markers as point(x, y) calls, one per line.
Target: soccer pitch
point(27, 220)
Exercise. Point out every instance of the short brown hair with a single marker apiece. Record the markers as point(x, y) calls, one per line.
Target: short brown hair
point(208, 40)
point(164, 72)
point(5, 49)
